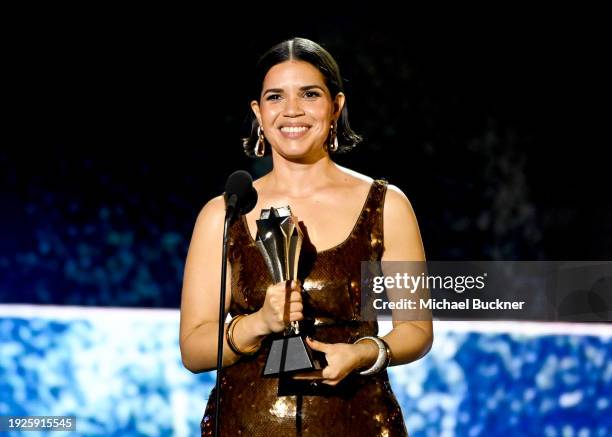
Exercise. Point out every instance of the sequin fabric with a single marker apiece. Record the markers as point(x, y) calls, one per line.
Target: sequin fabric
point(253, 405)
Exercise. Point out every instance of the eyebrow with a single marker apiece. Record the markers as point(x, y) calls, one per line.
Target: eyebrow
point(303, 88)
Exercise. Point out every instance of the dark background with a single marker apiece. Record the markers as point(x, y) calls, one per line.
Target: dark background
point(120, 129)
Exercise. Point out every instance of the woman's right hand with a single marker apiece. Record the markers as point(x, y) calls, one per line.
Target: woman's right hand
point(283, 304)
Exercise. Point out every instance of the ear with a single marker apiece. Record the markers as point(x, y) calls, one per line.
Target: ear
point(338, 105)
point(255, 109)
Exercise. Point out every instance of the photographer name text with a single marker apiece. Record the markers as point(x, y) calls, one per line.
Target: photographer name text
point(444, 304)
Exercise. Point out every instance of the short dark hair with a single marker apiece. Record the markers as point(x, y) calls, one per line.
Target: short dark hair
point(309, 51)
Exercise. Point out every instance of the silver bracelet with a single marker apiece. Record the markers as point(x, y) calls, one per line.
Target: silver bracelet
point(382, 360)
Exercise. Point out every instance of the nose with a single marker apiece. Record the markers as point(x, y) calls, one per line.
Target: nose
point(292, 107)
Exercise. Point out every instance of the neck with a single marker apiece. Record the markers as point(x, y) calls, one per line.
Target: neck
point(299, 178)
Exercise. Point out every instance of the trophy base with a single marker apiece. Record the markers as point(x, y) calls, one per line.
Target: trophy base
point(290, 354)
point(313, 375)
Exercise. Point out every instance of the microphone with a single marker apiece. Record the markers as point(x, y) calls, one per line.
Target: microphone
point(240, 196)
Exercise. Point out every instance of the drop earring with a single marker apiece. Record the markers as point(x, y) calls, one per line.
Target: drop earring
point(260, 147)
point(333, 138)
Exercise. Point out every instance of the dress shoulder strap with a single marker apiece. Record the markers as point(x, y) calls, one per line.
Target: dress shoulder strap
point(373, 217)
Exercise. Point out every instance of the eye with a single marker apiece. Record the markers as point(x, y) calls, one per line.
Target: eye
point(273, 97)
point(311, 94)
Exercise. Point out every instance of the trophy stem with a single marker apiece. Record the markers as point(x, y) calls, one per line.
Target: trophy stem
point(295, 327)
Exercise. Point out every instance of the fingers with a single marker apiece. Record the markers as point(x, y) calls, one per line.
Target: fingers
point(294, 317)
point(318, 345)
point(293, 301)
point(283, 304)
point(336, 369)
point(296, 307)
point(295, 296)
point(293, 311)
point(291, 285)
point(331, 376)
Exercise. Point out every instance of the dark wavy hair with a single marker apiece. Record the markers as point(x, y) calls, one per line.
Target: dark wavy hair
point(309, 51)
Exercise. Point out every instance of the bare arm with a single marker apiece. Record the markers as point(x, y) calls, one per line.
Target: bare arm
point(409, 340)
point(200, 297)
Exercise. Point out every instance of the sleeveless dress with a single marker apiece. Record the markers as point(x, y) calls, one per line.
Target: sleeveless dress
point(258, 406)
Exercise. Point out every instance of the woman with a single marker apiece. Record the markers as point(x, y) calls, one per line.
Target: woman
point(300, 117)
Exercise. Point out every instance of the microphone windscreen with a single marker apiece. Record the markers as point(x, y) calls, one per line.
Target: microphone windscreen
point(240, 183)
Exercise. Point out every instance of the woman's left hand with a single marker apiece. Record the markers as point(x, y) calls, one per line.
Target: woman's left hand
point(342, 359)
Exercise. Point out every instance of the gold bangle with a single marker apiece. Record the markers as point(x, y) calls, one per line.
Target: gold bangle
point(229, 335)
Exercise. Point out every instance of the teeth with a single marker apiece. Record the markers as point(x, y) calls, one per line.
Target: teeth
point(293, 129)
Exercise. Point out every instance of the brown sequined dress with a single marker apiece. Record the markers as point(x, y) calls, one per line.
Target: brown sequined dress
point(253, 405)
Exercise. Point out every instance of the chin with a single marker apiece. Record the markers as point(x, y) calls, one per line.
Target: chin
point(296, 151)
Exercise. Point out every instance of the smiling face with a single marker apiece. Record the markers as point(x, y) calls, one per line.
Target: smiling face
point(296, 110)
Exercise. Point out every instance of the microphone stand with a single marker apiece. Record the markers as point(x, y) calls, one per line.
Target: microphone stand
point(229, 213)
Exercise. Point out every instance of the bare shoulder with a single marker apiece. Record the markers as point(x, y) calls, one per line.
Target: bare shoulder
point(354, 179)
point(400, 228)
point(212, 213)
point(397, 203)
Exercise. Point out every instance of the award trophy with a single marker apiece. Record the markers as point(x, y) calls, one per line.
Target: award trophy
point(279, 239)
